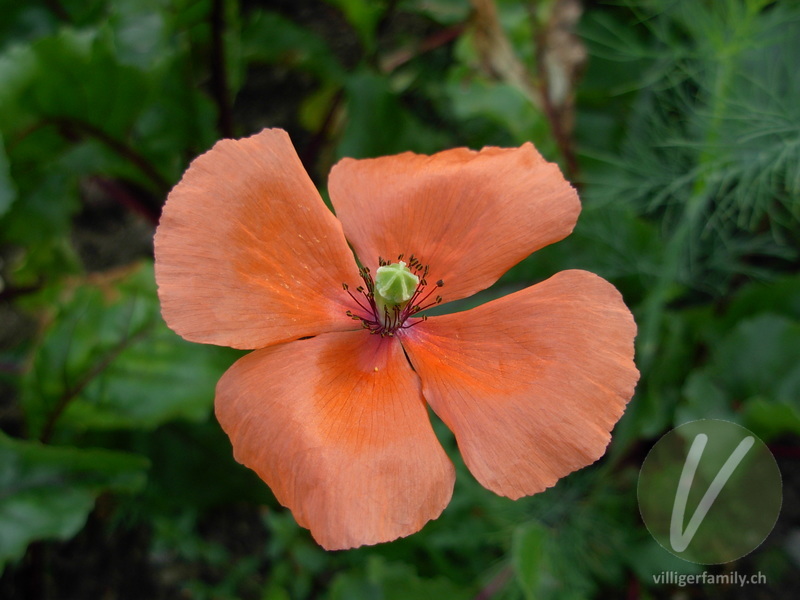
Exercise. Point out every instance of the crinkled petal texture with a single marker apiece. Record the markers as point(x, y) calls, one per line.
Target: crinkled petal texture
point(531, 384)
point(337, 427)
point(468, 215)
point(247, 254)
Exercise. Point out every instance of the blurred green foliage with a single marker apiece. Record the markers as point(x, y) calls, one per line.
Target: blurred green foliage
point(682, 130)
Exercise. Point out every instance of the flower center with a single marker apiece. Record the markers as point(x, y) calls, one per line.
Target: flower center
point(393, 296)
point(395, 284)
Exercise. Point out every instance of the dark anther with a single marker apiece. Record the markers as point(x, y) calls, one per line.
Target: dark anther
point(398, 316)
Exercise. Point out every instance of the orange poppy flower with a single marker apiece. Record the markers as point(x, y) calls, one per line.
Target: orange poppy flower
point(331, 408)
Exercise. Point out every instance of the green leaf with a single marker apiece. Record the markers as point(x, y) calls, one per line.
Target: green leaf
point(771, 419)
point(704, 400)
point(754, 367)
point(109, 361)
point(271, 37)
point(84, 11)
point(180, 123)
point(444, 12)
point(18, 70)
point(377, 122)
point(383, 580)
point(647, 558)
point(758, 356)
point(47, 492)
point(72, 89)
point(24, 21)
point(575, 544)
point(497, 113)
point(140, 32)
point(781, 296)
point(529, 556)
point(7, 190)
point(364, 16)
point(101, 91)
point(544, 560)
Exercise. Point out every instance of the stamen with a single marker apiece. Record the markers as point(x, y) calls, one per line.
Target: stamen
point(384, 316)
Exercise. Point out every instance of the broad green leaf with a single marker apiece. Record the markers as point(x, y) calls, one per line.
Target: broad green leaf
point(81, 81)
point(383, 580)
point(300, 560)
point(544, 560)
point(610, 241)
point(647, 558)
point(758, 365)
point(445, 12)
point(46, 492)
point(193, 469)
point(781, 296)
point(364, 16)
point(772, 419)
point(271, 37)
point(180, 124)
point(758, 356)
point(753, 368)
point(23, 21)
point(7, 190)
point(497, 113)
point(72, 89)
point(529, 556)
point(109, 361)
point(378, 123)
point(83, 12)
point(704, 400)
point(575, 543)
point(273, 592)
point(39, 222)
point(315, 109)
point(18, 70)
point(140, 32)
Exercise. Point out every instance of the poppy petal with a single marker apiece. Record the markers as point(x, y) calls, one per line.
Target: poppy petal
point(247, 254)
point(468, 215)
point(531, 384)
point(336, 425)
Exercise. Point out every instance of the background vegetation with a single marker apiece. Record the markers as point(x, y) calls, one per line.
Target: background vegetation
point(679, 120)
